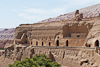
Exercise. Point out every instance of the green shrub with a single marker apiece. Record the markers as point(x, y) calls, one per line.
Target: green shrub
point(36, 61)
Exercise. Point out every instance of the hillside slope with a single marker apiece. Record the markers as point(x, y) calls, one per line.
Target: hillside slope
point(1, 29)
point(91, 11)
point(7, 34)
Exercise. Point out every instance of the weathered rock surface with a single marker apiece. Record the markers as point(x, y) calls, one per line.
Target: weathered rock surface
point(2, 52)
point(4, 62)
point(71, 57)
point(94, 34)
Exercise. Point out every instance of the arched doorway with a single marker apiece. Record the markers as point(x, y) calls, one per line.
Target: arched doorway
point(31, 43)
point(49, 43)
point(57, 43)
point(36, 43)
point(97, 43)
point(42, 43)
point(67, 43)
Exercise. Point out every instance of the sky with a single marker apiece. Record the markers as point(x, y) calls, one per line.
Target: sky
point(16, 12)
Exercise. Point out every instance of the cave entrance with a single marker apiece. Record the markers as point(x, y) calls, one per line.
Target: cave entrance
point(49, 43)
point(42, 43)
point(97, 43)
point(89, 45)
point(67, 43)
point(57, 42)
point(36, 43)
point(31, 43)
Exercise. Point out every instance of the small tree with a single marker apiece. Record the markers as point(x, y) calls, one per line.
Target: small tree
point(36, 61)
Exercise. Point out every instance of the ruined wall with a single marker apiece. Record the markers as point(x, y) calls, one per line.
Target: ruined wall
point(76, 28)
point(76, 42)
point(68, 41)
point(40, 32)
point(77, 35)
point(46, 33)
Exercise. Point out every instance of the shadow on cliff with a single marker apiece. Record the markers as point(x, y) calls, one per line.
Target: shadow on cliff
point(51, 56)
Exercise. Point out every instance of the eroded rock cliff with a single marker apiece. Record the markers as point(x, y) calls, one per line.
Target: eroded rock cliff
point(94, 35)
point(71, 57)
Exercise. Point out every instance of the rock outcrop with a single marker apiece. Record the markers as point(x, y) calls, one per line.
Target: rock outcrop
point(4, 62)
point(78, 16)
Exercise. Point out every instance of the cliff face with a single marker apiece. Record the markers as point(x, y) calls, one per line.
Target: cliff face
point(71, 57)
point(94, 35)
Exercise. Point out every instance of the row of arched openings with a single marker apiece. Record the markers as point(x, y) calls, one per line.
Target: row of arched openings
point(57, 43)
point(42, 43)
